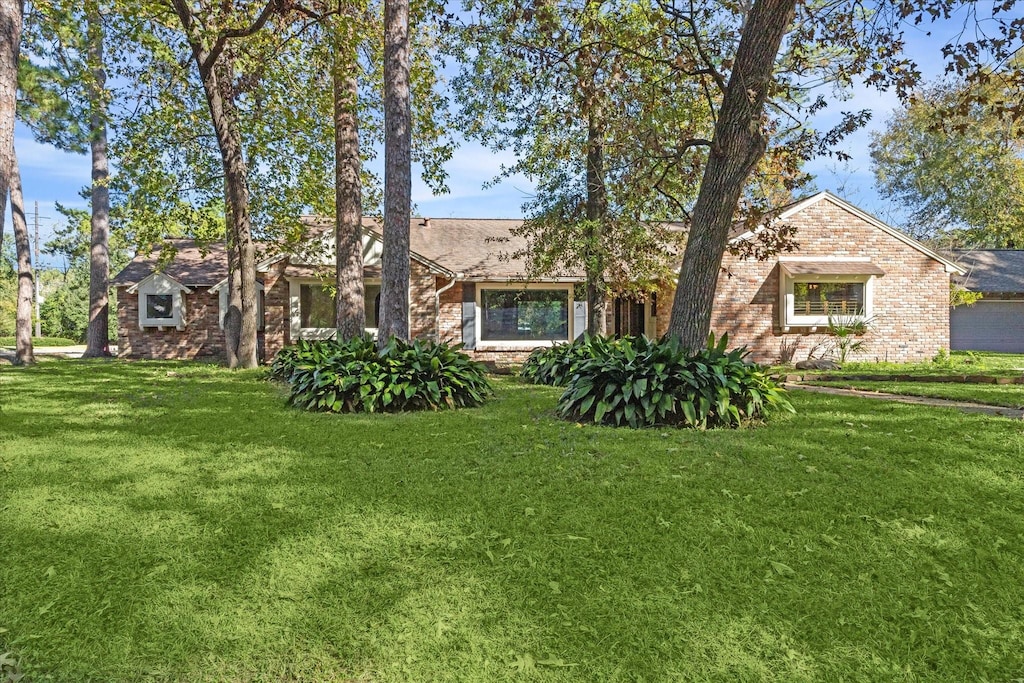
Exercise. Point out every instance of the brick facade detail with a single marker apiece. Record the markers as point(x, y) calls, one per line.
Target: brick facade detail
point(201, 338)
point(910, 303)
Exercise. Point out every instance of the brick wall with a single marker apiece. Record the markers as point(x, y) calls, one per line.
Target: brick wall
point(451, 313)
point(202, 336)
point(910, 302)
point(276, 313)
point(421, 302)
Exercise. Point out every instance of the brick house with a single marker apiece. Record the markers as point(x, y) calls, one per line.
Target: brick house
point(464, 288)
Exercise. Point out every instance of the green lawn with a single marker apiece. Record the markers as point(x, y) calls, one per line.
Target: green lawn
point(41, 341)
point(176, 522)
point(957, 363)
point(1010, 395)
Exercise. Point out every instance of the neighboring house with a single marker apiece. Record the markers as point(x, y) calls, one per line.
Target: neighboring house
point(996, 322)
point(464, 288)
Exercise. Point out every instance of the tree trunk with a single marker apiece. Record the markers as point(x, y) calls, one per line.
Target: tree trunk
point(233, 314)
point(26, 284)
point(11, 12)
point(738, 144)
point(97, 337)
point(394, 308)
point(216, 74)
point(220, 98)
point(348, 191)
point(597, 214)
point(229, 140)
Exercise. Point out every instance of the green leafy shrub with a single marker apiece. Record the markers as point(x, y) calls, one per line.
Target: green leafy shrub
point(642, 383)
point(308, 354)
point(555, 365)
point(353, 376)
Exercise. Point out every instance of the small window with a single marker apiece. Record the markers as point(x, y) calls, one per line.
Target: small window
point(524, 315)
point(316, 307)
point(159, 306)
point(828, 298)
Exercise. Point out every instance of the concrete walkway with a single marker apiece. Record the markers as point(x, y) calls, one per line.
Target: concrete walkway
point(963, 406)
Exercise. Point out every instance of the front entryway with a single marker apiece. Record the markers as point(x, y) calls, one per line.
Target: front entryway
point(633, 318)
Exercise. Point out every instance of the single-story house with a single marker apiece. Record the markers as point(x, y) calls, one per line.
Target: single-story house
point(996, 321)
point(464, 288)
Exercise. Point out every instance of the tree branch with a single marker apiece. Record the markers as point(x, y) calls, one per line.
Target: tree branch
point(223, 37)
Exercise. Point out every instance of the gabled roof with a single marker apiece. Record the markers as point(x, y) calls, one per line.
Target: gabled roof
point(193, 265)
point(158, 275)
point(802, 204)
point(992, 270)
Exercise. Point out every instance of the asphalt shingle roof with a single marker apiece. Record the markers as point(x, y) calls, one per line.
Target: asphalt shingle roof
point(193, 264)
point(992, 270)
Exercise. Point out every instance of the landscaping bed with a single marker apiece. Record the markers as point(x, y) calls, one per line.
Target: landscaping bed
point(170, 522)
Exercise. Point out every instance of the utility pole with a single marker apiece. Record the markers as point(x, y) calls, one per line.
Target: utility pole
point(36, 273)
point(39, 325)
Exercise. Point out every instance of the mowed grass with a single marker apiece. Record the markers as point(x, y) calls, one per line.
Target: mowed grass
point(41, 341)
point(957, 363)
point(1009, 395)
point(177, 522)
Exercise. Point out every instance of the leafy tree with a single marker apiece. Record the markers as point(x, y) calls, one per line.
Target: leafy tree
point(761, 81)
point(957, 165)
point(64, 311)
point(8, 289)
point(65, 102)
point(568, 87)
point(171, 177)
point(208, 29)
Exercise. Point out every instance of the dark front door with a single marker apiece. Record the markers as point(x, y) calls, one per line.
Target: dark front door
point(629, 317)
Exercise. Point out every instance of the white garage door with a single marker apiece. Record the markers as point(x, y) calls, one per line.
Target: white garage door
point(988, 326)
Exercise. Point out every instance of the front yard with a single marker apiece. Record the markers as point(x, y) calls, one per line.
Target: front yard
point(166, 521)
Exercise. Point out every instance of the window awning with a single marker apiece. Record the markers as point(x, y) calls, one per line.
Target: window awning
point(831, 268)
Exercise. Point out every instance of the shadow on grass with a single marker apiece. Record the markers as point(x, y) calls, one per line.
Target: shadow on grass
point(196, 528)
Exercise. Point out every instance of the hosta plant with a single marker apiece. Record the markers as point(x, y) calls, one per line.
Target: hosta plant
point(642, 383)
point(354, 376)
point(555, 365)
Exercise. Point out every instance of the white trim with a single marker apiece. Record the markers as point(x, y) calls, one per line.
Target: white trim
point(153, 277)
point(519, 280)
point(222, 305)
point(788, 316)
point(296, 330)
point(158, 284)
point(523, 345)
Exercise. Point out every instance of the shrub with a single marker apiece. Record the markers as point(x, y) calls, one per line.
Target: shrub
point(643, 383)
point(353, 376)
point(555, 365)
point(308, 354)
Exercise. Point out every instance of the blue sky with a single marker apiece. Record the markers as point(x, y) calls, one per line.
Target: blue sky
point(51, 176)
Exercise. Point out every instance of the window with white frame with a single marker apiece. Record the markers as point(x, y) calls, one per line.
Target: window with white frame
point(313, 313)
point(511, 315)
point(812, 300)
point(316, 307)
point(161, 301)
